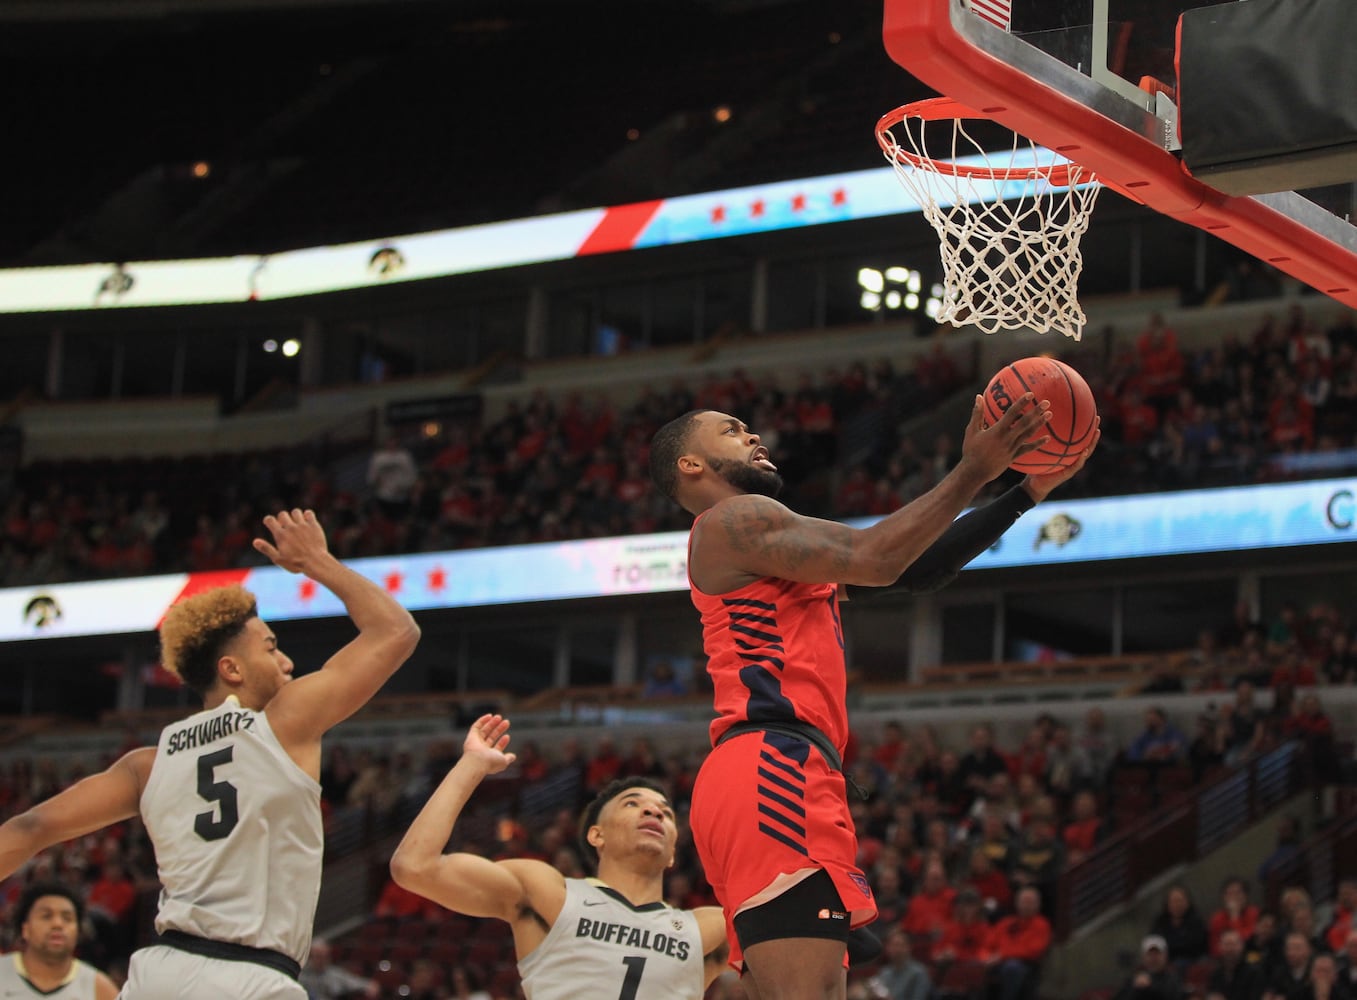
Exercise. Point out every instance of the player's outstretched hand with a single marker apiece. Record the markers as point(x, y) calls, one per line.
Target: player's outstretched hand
point(1040, 487)
point(487, 742)
point(298, 538)
point(1022, 428)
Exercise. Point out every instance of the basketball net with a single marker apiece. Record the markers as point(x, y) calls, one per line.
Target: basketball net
point(1009, 221)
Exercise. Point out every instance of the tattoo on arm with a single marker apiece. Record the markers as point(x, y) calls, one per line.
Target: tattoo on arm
point(771, 532)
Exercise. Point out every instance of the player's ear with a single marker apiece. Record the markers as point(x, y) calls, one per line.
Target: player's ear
point(689, 465)
point(228, 670)
point(595, 836)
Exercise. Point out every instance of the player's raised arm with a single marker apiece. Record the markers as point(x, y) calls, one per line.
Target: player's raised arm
point(302, 711)
point(90, 804)
point(465, 882)
point(715, 946)
point(747, 536)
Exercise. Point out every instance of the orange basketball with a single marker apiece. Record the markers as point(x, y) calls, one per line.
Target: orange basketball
point(1074, 414)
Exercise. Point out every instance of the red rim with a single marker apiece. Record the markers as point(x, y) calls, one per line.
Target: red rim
point(944, 109)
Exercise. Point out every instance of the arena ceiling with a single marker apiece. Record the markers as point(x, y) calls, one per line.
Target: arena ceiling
point(153, 128)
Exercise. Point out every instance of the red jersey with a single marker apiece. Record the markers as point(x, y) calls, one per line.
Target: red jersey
point(775, 654)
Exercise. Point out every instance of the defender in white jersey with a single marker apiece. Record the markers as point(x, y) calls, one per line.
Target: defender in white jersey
point(47, 919)
point(610, 937)
point(231, 796)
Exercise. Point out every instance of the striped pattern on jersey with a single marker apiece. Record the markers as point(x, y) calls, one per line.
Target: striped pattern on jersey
point(782, 790)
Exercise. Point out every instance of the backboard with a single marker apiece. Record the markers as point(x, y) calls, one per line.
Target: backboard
point(1078, 76)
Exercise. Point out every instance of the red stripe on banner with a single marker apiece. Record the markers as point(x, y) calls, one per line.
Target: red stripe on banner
point(197, 583)
point(996, 12)
point(619, 227)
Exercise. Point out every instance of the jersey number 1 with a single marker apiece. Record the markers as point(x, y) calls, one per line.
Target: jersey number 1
point(219, 822)
point(635, 964)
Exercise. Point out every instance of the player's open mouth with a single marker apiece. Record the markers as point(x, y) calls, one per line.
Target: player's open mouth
point(652, 827)
point(760, 458)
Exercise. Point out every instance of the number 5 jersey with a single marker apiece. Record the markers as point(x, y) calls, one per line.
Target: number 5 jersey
point(601, 946)
point(236, 827)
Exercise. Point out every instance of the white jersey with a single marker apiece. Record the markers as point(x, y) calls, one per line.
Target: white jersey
point(602, 946)
point(236, 827)
point(14, 983)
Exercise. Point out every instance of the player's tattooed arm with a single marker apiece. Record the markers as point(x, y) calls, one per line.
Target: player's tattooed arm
point(756, 536)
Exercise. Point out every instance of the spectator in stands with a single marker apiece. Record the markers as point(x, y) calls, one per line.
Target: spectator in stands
point(931, 907)
point(111, 899)
point(1160, 361)
point(1206, 752)
point(1181, 927)
point(1314, 729)
point(1062, 764)
point(47, 926)
point(1020, 945)
point(1246, 723)
point(1264, 945)
point(1324, 981)
point(989, 881)
point(399, 903)
point(1085, 829)
point(1302, 921)
point(1096, 750)
point(391, 476)
point(1340, 923)
point(996, 839)
point(1347, 964)
point(1030, 757)
point(901, 976)
point(1291, 979)
point(967, 936)
point(663, 682)
point(1154, 979)
point(467, 983)
point(1159, 743)
point(1288, 846)
point(891, 900)
point(1234, 976)
point(1338, 664)
point(323, 980)
point(1040, 857)
point(1235, 913)
point(982, 762)
point(604, 766)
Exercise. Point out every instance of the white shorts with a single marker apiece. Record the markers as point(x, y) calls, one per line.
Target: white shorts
point(163, 973)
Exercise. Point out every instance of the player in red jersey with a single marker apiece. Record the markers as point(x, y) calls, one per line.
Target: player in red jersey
point(770, 814)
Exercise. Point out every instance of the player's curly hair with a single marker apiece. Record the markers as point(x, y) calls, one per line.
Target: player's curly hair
point(669, 442)
point(594, 809)
point(195, 631)
point(35, 891)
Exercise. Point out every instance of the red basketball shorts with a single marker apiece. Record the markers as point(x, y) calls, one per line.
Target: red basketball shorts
point(767, 806)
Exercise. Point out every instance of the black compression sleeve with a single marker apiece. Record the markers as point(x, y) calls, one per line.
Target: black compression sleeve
point(968, 536)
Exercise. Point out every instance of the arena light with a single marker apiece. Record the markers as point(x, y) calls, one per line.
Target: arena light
point(270, 346)
point(872, 280)
point(292, 347)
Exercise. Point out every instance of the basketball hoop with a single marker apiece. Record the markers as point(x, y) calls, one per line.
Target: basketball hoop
point(1009, 221)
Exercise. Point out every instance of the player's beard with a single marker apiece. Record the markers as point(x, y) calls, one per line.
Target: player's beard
point(747, 478)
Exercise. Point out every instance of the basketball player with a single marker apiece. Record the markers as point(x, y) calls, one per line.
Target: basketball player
point(230, 796)
point(770, 817)
point(615, 932)
point(47, 919)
